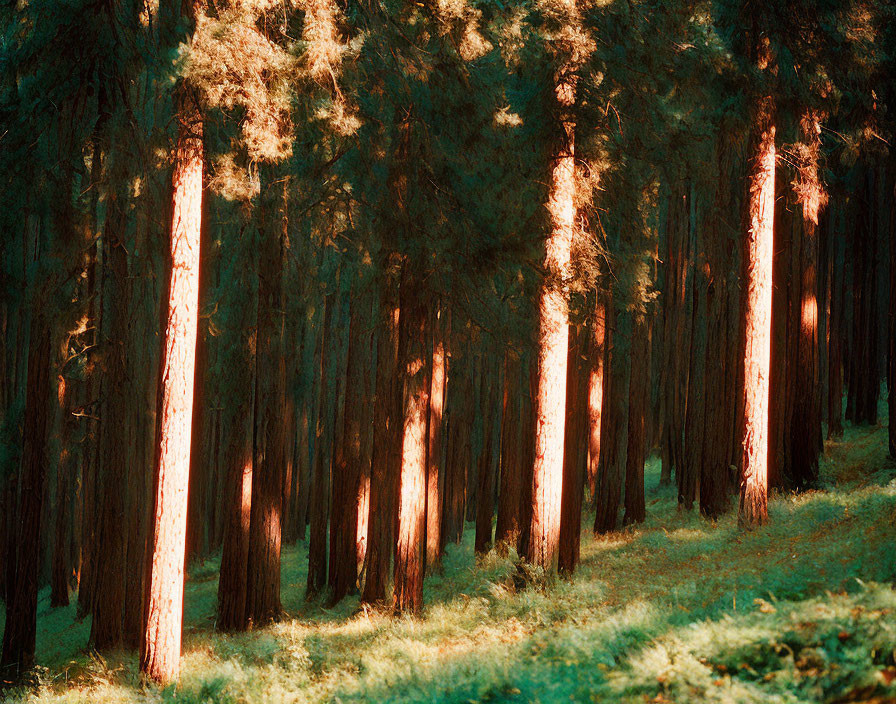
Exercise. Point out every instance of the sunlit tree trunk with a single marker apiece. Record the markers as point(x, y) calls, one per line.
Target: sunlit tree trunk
point(23, 553)
point(805, 435)
point(434, 449)
point(160, 644)
point(553, 341)
point(596, 356)
point(757, 309)
point(414, 369)
point(366, 444)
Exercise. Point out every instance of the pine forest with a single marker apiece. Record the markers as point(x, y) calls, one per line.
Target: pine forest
point(448, 351)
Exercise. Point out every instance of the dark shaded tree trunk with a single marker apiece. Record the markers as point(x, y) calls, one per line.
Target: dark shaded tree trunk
point(107, 629)
point(237, 490)
point(836, 327)
point(689, 472)
point(491, 428)
point(318, 500)
point(510, 495)
point(891, 358)
point(574, 451)
point(614, 424)
point(343, 573)
point(269, 442)
point(380, 538)
point(23, 554)
point(637, 450)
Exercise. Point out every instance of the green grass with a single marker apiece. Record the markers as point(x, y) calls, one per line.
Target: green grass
point(676, 610)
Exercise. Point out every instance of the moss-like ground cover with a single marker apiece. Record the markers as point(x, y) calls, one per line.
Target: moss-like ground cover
point(677, 610)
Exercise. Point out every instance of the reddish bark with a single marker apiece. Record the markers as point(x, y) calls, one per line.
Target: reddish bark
point(410, 553)
point(596, 356)
point(160, 644)
point(805, 428)
point(758, 252)
point(553, 341)
point(383, 466)
point(574, 451)
point(434, 448)
point(614, 424)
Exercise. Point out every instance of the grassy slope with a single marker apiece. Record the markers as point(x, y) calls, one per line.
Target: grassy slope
point(678, 610)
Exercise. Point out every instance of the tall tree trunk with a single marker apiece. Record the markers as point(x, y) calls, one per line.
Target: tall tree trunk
point(65, 488)
point(237, 496)
point(805, 435)
point(688, 473)
point(382, 483)
point(614, 424)
point(891, 359)
point(574, 451)
point(269, 452)
point(23, 555)
point(112, 535)
point(637, 412)
point(836, 333)
point(491, 429)
point(434, 449)
point(596, 356)
point(553, 340)
point(160, 645)
point(320, 479)
point(757, 310)
point(343, 573)
point(509, 524)
point(414, 367)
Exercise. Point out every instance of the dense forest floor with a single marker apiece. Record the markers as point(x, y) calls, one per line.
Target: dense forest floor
point(677, 610)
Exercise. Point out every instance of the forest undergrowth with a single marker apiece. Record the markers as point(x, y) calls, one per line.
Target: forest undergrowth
point(679, 609)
